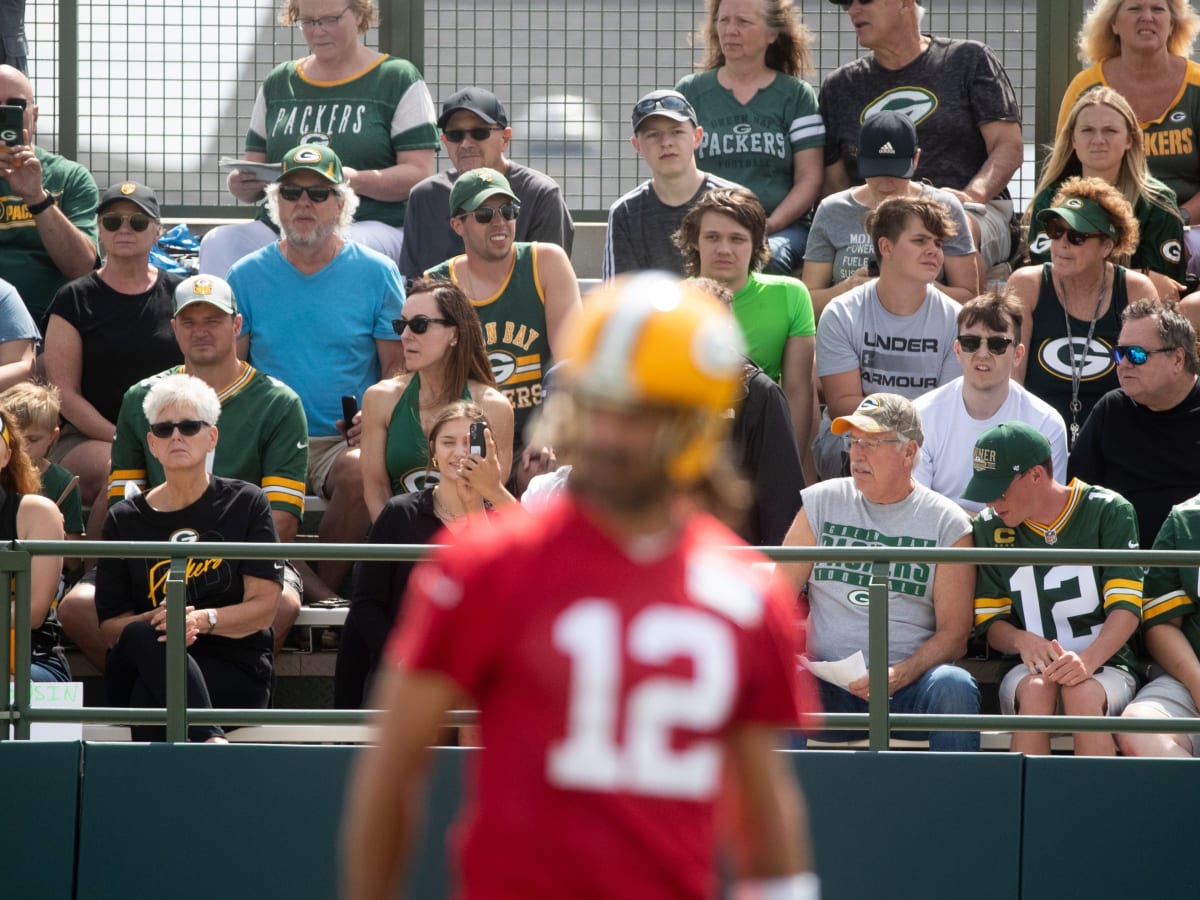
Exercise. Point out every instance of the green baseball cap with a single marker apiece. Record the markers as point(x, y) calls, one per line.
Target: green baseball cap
point(474, 186)
point(1001, 454)
point(878, 413)
point(1083, 215)
point(314, 157)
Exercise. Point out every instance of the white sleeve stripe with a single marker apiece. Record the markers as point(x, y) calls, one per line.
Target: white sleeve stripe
point(414, 109)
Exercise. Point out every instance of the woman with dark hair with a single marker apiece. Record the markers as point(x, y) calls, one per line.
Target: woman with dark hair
point(1101, 139)
point(762, 127)
point(469, 484)
point(26, 515)
point(445, 360)
point(1073, 303)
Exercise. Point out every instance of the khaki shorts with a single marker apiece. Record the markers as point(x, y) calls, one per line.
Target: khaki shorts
point(1168, 698)
point(69, 437)
point(322, 454)
point(995, 230)
point(1118, 686)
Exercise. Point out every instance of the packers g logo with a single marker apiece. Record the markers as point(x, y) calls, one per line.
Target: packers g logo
point(306, 156)
point(915, 103)
point(1178, 116)
point(1002, 536)
point(414, 480)
point(503, 365)
point(1041, 243)
point(10, 136)
point(1171, 251)
point(185, 536)
point(1057, 355)
point(859, 598)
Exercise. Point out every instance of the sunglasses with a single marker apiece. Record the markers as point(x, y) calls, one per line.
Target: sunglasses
point(1056, 228)
point(113, 222)
point(17, 101)
point(317, 193)
point(1136, 355)
point(419, 324)
point(997, 346)
point(458, 135)
point(671, 102)
point(485, 214)
point(188, 428)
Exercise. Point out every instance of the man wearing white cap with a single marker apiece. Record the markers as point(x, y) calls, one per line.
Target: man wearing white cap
point(929, 606)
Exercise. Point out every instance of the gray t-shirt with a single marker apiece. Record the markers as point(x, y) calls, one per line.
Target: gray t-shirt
point(838, 236)
point(840, 516)
point(640, 227)
point(949, 91)
point(429, 239)
point(906, 355)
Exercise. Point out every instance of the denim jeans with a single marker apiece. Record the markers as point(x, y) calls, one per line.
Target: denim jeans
point(787, 249)
point(943, 689)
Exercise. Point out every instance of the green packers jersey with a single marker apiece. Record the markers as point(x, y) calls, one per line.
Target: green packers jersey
point(1067, 603)
point(1174, 593)
point(262, 439)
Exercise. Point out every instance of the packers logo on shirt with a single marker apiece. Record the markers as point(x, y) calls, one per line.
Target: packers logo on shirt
point(1004, 535)
point(1171, 251)
point(859, 598)
point(1058, 355)
point(916, 103)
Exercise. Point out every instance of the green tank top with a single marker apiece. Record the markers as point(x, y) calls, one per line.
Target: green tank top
point(406, 453)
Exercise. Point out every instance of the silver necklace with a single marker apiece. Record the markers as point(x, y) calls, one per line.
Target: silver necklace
point(1077, 361)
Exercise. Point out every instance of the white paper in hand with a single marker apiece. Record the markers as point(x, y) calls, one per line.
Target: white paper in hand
point(839, 671)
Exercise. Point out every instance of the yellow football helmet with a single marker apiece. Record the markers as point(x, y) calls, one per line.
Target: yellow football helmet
point(653, 340)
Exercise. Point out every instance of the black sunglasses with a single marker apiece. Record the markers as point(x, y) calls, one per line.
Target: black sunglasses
point(458, 135)
point(997, 346)
point(485, 214)
point(670, 101)
point(113, 221)
point(17, 101)
point(188, 428)
point(1136, 355)
point(317, 193)
point(419, 324)
point(1056, 228)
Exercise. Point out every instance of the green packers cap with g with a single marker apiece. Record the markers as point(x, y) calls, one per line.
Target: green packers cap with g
point(315, 158)
point(474, 186)
point(1084, 215)
point(878, 413)
point(205, 289)
point(1001, 454)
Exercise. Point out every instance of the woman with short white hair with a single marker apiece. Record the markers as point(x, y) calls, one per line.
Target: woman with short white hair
point(230, 603)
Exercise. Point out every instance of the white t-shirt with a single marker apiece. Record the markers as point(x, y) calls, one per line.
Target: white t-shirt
point(945, 461)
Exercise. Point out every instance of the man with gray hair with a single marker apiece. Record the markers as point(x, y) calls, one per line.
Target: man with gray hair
point(930, 607)
point(317, 313)
point(1141, 440)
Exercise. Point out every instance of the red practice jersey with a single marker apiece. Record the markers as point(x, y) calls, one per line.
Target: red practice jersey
point(607, 681)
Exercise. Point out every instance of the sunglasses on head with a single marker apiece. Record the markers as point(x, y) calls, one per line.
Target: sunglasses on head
point(419, 324)
point(317, 193)
point(458, 135)
point(1136, 355)
point(997, 346)
point(485, 214)
point(1056, 228)
point(136, 221)
point(671, 102)
point(188, 428)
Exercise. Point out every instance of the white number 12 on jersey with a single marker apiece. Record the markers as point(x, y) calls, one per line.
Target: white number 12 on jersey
point(644, 762)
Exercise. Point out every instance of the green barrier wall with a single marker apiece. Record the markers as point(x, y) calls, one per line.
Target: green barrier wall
point(258, 822)
point(39, 803)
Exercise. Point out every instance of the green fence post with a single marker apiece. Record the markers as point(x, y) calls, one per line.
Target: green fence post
point(176, 650)
point(17, 563)
point(402, 30)
point(878, 643)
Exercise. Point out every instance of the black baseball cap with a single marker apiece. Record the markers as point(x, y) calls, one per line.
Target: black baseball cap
point(671, 104)
point(140, 195)
point(887, 144)
point(477, 100)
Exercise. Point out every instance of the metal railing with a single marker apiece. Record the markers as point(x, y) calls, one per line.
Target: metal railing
point(879, 721)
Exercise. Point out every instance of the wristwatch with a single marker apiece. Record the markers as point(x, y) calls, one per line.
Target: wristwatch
point(42, 205)
point(212, 619)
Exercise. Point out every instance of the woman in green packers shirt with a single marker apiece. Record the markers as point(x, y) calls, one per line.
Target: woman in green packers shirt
point(230, 603)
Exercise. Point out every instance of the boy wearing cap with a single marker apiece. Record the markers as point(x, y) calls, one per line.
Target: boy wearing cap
point(640, 224)
point(476, 133)
point(523, 292)
point(1067, 626)
point(929, 605)
point(839, 251)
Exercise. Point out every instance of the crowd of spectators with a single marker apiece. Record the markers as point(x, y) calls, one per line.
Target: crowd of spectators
point(919, 409)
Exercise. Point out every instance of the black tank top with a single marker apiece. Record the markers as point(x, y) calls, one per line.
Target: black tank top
point(1048, 372)
point(49, 635)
